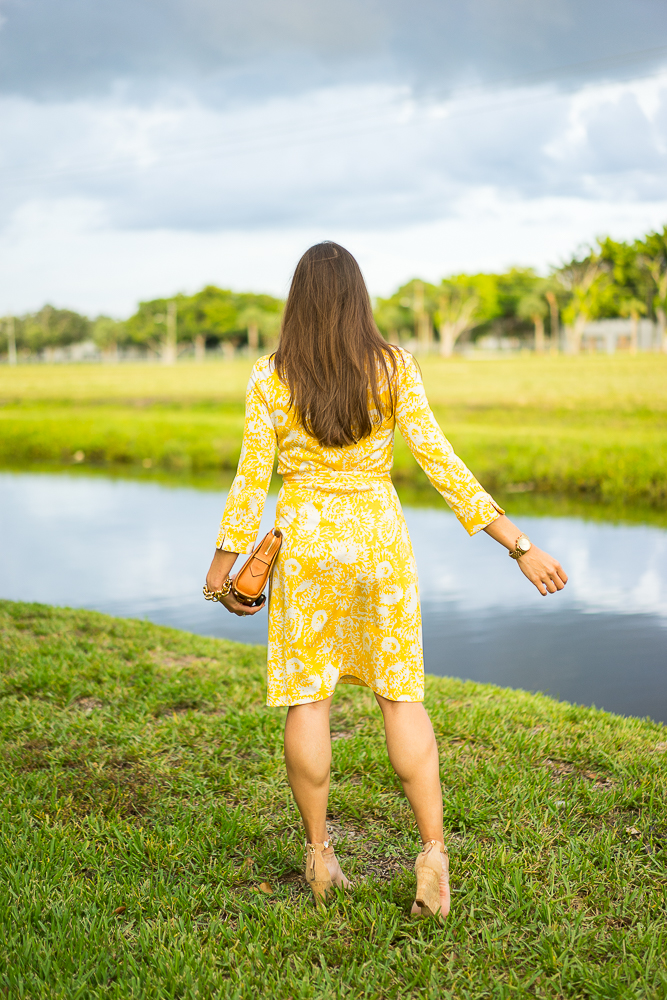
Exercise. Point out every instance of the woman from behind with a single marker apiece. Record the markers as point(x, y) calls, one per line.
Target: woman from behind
point(344, 604)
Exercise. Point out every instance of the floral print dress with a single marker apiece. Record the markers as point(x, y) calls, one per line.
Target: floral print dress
point(344, 598)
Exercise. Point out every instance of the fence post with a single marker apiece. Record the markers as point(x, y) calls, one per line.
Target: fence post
point(11, 341)
point(169, 356)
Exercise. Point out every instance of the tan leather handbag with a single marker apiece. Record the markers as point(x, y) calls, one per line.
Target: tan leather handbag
point(249, 583)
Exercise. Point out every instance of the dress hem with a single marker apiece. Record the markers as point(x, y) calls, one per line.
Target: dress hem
point(323, 697)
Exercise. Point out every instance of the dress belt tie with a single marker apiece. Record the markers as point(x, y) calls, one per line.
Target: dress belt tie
point(347, 482)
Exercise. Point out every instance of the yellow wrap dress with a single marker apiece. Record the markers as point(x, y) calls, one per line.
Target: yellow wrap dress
point(344, 599)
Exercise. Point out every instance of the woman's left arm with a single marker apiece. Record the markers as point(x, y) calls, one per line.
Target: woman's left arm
point(541, 569)
point(247, 495)
point(220, 569)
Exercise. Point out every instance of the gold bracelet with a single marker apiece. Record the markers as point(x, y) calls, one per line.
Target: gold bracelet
point(217, 595)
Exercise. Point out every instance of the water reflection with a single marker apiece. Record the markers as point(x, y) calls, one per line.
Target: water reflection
point(142, 550)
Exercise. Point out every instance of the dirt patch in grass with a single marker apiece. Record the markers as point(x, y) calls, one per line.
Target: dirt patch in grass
point(124, 788)
point(338, 830)
point(120, 786)
point(560, 770)
point(172, 661)
point(383, 867)
point(346, 734)
point(30, 756)
point(179, 708)
point(87, 705)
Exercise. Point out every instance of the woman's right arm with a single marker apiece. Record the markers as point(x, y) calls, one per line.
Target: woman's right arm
point(472, 505)
point(452, 479)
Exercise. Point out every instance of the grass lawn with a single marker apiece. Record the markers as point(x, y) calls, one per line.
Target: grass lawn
point(589, 427)
point(590, 382)
point(151, 847)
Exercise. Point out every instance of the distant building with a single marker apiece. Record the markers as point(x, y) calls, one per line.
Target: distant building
point(611, 335)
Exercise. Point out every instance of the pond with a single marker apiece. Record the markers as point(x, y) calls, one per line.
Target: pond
point(142, 550)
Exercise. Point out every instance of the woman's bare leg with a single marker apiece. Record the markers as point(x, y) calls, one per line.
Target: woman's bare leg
point(413, 753)
point(308, 759)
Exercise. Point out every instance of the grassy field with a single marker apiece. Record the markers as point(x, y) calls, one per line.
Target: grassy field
point(589, 427)
point(151, 849)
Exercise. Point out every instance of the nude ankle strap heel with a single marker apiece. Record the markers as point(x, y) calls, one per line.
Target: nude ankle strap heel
point(432, 870)
point(318, 876)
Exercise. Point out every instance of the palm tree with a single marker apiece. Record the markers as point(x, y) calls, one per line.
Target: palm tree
point(534, 307)
point(628, 293)
point(10, 334)
point(391, 319)
point(423, 326)
point(456, 313)
point(169, 346)
point(107, 333)
point(409, 311)
point(653, 259)
point(585, 280)
point(258, 321)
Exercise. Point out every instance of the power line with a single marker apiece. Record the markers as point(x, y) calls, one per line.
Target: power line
point(573, 69)
point(324, 128)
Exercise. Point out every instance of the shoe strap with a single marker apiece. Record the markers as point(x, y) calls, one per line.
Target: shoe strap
point(428, 846)
point(318, 847)
point(312, 850)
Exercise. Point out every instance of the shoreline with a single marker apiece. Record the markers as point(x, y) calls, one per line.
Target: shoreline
point(589, 428)
point(418, 493)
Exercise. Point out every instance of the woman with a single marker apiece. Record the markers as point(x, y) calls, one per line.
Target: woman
point(344, 603)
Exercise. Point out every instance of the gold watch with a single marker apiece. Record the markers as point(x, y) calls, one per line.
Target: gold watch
point(521, 546)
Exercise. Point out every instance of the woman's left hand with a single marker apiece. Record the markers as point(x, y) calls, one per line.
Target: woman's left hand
point(236, 608)
point(542, 570)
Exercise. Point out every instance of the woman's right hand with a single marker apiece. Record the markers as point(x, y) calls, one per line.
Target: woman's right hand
point(217, 575)
point(545, 572)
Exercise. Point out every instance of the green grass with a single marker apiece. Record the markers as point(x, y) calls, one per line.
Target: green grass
point(589, 427)
point(145, 804)
point(606, 460)
point(619, 383)
point(174, 439)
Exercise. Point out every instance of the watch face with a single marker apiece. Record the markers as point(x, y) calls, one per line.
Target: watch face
point(523, 544)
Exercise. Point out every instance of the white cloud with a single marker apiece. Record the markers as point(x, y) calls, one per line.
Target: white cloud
point(60, 253)
point(366, 156)
point(107, 197)
point(223, 48)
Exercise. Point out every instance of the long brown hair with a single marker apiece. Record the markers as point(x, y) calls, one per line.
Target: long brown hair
point(331, 352)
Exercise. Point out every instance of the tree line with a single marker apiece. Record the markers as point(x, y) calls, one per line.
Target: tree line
point(611, 279)
point(209, 318)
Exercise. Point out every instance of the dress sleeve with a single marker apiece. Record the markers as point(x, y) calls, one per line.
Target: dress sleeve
point(451, 478)
point(247, 495)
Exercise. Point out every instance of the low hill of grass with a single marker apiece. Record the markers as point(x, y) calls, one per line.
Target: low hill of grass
point(619, 383)
point(151, 848)
point(593, 428)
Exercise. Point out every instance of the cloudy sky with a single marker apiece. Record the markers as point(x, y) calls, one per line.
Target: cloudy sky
point(151, 146)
